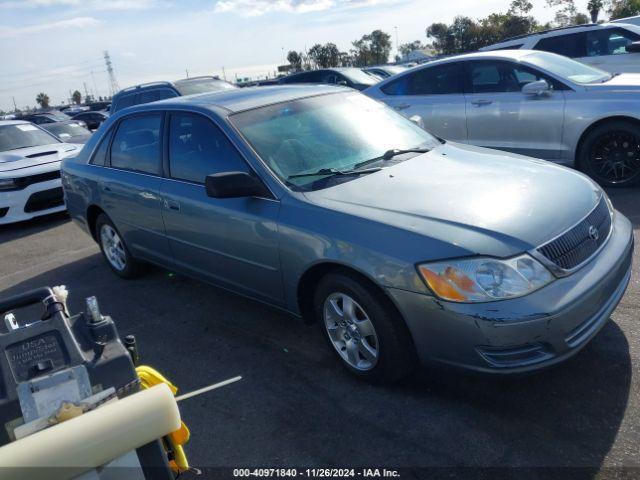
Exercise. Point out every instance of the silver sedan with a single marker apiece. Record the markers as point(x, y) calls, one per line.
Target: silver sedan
point(529, 102)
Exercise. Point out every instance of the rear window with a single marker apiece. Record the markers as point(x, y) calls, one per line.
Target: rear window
point(136, 145)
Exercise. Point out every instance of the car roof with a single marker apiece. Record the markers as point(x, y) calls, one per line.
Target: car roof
point(516, 55)
point(233, 101)
point(554, 32)
point(13, 122)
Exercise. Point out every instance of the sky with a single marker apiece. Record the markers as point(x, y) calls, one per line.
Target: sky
point(56, 46)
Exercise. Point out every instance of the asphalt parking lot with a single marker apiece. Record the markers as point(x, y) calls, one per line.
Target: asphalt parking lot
point(297, 407)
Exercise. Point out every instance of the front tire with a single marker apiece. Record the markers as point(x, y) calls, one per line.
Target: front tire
point(610, 154)
point(366, 332)
point(114, 250)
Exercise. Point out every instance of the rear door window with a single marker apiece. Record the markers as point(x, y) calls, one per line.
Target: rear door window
point(197, 148)
point(572, 45)
point(439, 80)
point(126, 101)
point(136, 144)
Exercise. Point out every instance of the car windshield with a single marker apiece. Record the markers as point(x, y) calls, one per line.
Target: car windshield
point(67, 130)
point(191, 87)
point(358, 76)
point(565, 67)
point(337, 132)
point(13, 137)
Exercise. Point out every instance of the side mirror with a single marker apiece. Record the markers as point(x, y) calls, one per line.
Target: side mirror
point(536, 88)
point(633, 47)
point(234, 185)
point(417, 119)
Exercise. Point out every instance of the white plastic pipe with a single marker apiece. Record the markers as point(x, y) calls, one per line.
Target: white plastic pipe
point(92, 439)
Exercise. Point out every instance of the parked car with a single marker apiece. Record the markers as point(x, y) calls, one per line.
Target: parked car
point(45, 117)
point(92, 119)
point(332, 206)
point(385, 71)
point(68, 132)
point(612, 47)
point(99, 106)
point(73, 110)
point(347, 76)
point(30, 171)
point(152, 92)
point(528, 102)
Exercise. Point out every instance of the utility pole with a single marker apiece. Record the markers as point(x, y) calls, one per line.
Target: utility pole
point(113, 83)
point(15, 108)
point(397, 43)
point(86, 92)
point(224, 75)
point(187, 70)
point(95, 87)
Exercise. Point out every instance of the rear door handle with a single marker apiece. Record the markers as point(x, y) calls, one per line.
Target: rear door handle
point(171, 205)
point(401, 106)
point(479, 103)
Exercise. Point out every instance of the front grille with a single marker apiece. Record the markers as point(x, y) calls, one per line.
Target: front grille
point(517, 356)
point(24, 182)
point(575, 247)
point(54, 197)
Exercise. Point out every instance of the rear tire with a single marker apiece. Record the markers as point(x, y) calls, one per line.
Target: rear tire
point(114, 251)
point(610, 154)
point(366, 332)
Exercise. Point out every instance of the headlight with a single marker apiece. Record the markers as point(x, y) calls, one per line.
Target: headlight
point(7, 184)
point(484, 279)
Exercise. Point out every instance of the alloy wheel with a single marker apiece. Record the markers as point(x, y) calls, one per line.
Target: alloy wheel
point(113, 247)
point(351, 331)
point(615, 157)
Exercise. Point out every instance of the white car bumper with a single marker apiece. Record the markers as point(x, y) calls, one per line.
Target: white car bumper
point(36, 199)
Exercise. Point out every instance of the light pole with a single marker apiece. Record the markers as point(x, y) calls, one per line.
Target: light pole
point(397, 43)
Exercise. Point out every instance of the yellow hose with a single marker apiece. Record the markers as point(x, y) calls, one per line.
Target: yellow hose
point(175, 440)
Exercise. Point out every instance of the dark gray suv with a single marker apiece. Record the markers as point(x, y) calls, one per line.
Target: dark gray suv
point(154, 91)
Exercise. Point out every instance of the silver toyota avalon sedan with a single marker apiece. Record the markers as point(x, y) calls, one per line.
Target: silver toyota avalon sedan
point(330, 205)
point(529, 102)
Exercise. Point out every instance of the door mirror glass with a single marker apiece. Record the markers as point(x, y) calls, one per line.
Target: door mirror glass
point(536, 88)
point(234, 185)
point(633, 47)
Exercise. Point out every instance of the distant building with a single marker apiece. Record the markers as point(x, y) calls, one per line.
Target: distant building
point(418, 56)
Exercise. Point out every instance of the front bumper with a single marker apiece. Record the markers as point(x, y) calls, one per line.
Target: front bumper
point(32, 201)
point(529, 332)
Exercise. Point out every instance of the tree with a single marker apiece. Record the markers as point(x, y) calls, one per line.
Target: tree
point(76, 97)
point(43, 100)
point(372, 49)
point(623, 8)
point(406, 48)
point(295, 60)
point(594, 7)
point(568, 13)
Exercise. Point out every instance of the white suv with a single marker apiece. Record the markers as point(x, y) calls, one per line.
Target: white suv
point(602, 45)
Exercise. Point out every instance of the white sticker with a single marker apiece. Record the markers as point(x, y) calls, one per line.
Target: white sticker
point(27, 128)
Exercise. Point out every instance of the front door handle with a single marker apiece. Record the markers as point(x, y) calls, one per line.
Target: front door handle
point(479, 103)
point(171, 205)
point(401, 106)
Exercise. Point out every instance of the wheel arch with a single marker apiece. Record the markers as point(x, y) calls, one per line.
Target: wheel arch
point(595, 125)
point(92, 215)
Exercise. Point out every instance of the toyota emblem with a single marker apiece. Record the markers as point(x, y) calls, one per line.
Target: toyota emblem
point(593, 233)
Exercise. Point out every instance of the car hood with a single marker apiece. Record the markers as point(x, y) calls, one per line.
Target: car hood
point(480, 200)
point(621, 82)
point(33, 156)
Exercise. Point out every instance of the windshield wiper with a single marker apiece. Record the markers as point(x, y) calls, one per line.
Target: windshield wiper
point(335, 171)
point(389, 154)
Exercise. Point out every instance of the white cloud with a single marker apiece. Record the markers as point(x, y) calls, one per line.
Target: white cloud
point(82, 4)
point(77, 22)
point(253, 8)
